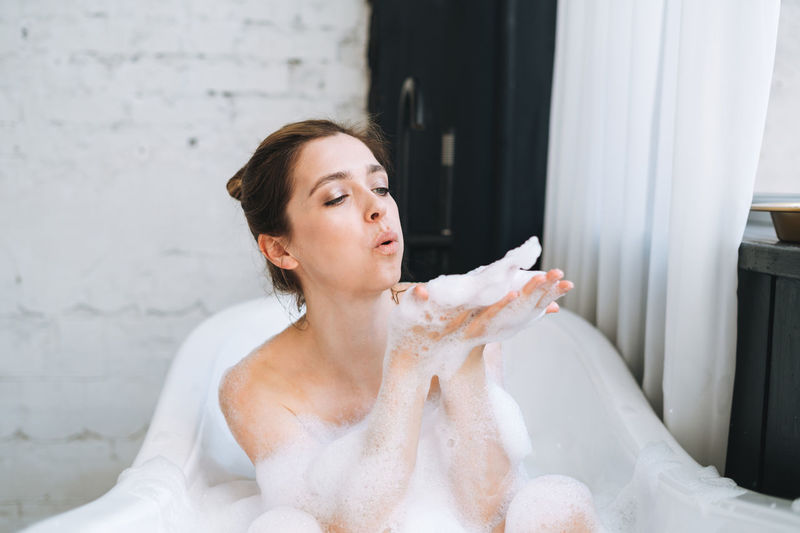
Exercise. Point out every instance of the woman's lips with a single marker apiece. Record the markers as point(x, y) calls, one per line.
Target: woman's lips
point(388, 248)
point(387, 243)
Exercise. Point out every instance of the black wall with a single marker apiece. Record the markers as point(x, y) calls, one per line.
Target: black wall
point(483, 69)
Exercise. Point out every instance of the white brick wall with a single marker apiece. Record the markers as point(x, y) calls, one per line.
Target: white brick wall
point(120, 123)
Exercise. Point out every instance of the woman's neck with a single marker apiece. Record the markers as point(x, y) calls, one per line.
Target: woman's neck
point(348, 333)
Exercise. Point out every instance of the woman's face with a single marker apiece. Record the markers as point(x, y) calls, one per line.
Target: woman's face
point(345, 229)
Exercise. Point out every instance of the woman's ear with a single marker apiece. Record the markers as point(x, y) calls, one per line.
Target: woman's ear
point(275, 252)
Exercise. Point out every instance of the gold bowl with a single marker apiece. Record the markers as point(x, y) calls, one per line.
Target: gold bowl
point(785, 218)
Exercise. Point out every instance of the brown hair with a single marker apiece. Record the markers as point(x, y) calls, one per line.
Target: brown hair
point(264, 184)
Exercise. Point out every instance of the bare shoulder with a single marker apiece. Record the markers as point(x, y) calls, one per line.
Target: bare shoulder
point(256, 410)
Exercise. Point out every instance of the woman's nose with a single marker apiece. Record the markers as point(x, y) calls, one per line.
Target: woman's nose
point(376, 210)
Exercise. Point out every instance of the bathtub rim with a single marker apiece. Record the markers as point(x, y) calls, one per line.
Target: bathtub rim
point(618, 388)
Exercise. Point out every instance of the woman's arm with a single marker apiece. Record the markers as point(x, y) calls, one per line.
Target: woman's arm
point(481, 471)
point(373, 488)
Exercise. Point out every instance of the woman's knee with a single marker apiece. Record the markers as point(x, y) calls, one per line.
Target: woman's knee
point(285, 519)
point(552, 503)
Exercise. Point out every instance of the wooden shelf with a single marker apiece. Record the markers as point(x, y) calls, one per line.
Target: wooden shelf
point(761, 251)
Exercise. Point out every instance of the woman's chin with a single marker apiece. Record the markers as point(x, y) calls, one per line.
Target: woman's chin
point(388, 279)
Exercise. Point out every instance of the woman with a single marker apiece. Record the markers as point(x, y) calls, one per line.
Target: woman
point(316, 198)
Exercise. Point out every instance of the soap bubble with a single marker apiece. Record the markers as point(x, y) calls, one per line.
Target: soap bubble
point(552, 504)
point(425, 325)
point(286, 519)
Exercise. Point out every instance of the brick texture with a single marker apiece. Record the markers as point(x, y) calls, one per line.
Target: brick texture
point(120, 123)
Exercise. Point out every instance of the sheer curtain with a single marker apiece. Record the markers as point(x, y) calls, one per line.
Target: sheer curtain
point(655, 130)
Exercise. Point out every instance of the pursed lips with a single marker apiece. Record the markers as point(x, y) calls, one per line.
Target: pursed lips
point(385, 238)
point(387, 243)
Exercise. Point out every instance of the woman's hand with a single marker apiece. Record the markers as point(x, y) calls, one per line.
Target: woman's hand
point(435, 325)
point(537, 296)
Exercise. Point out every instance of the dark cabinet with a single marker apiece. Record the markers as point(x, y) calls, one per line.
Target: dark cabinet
point(764, 440)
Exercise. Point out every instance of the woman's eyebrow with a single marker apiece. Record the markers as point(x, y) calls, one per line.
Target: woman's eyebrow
point(343, 175)
point(340, 175)
point(372, 169)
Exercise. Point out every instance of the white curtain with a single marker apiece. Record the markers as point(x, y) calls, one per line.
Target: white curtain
point(657, 116)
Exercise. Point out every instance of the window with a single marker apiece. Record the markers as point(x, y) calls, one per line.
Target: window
point(778, 176)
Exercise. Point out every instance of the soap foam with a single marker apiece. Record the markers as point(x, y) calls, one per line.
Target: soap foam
point(451, 295)
point(286, 519)
point(487, 284)
point(552, 504)
point(309, 477)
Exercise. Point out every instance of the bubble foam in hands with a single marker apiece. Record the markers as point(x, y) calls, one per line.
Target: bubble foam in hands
point(489, 283)
point(452, 295)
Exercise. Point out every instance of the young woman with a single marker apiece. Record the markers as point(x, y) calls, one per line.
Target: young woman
point(316, 198)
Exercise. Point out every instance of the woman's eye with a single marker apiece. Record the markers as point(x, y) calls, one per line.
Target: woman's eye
point(337, 200)
point(382, 191)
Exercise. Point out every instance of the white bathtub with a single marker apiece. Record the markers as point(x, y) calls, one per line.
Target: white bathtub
point(586, 416)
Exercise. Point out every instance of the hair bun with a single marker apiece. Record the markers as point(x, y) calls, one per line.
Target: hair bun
point(234, 185)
